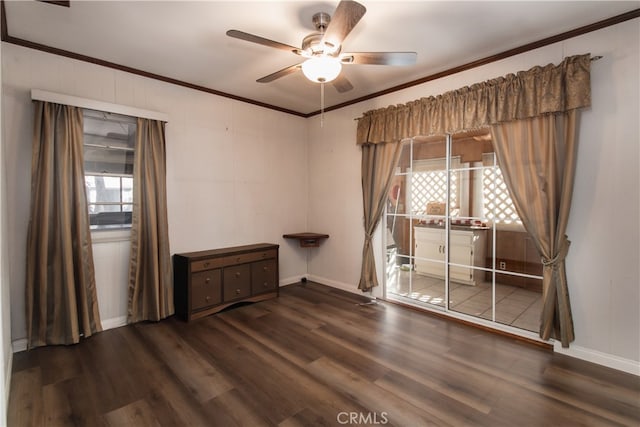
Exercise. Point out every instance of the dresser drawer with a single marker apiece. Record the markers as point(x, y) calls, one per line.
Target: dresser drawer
point(206, 264)
point(264, 276)
point(250, 257)
point(206, 289)
point(236, 282)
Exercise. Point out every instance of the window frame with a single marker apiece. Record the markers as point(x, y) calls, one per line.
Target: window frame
point(109, 219)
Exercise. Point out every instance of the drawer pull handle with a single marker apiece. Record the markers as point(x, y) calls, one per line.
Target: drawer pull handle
point(266, 284)
point(265, 268)
point(237, 274)
point(264, 255)
point(238, 259)
point(206, 264)
point(207, 280)
point(237, 291)
point(207, 298)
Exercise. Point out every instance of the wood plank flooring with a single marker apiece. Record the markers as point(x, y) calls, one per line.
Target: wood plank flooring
point(313, 357)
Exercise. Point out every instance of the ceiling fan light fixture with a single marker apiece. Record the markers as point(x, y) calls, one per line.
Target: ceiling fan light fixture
point(321, 69)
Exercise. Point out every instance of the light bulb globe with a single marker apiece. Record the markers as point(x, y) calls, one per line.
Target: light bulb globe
point(321, 69)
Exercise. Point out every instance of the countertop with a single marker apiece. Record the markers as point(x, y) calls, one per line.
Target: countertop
point(455, 227)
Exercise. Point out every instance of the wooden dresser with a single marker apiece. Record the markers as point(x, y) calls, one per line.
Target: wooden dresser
point(206, 282)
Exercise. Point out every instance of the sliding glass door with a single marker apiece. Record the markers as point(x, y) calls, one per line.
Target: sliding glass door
point(454, 241)
point(418, 195)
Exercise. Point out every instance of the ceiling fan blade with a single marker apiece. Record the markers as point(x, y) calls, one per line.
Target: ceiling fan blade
point(281, 73)
point(261, 40)
point(342, 84)
point(379, 58)
point(346, 16)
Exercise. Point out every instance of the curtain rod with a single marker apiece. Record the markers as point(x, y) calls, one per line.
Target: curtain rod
point(593, 59)
point(58, 98)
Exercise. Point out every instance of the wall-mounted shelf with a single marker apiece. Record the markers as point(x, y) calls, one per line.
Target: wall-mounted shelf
point(307, 240)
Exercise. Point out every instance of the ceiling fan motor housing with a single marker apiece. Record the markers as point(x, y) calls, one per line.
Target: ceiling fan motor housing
point(312, 44)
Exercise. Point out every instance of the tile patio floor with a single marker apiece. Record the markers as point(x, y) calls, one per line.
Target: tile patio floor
point(514, 306)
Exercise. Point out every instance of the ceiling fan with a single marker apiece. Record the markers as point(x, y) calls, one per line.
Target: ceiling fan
point(323, 49)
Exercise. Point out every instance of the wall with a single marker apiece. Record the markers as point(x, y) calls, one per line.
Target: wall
point(603, 263)
point(6, 355)
point(228, 181)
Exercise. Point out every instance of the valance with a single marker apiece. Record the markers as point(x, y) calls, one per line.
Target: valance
point(527, 94)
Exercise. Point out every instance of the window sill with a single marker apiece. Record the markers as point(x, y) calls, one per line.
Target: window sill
point(108, 236)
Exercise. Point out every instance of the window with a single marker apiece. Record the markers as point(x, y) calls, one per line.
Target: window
point(497, 204)
point(109, 143)
point(429, 184)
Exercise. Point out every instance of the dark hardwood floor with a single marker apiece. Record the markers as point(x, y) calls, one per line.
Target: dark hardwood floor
point(314, 357)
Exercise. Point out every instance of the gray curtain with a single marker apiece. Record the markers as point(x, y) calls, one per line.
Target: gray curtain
point(538, 160)
point(378, 162)
point(150, 280)
point(61, 299)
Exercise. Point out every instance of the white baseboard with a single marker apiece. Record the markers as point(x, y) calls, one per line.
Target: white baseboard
point(349, 287)
point(291, 280)
point(21, 344)
point(604, 359)
point(7, 380)
point(115, 322)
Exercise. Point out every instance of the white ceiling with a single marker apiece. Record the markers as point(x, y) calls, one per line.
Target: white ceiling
point(186, 40)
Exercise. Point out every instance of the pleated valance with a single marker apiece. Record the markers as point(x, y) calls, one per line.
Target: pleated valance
point(526, 94)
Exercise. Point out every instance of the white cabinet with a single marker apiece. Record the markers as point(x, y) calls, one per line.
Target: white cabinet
point(429, 251)
point(467, 249)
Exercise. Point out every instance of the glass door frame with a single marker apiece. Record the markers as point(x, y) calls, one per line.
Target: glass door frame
point(446, 309)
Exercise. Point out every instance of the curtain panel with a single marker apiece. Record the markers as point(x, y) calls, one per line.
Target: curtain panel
point(527, 94)
point(150, 281)
point(378, 163)
point(538, 159)
point(61, 299)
